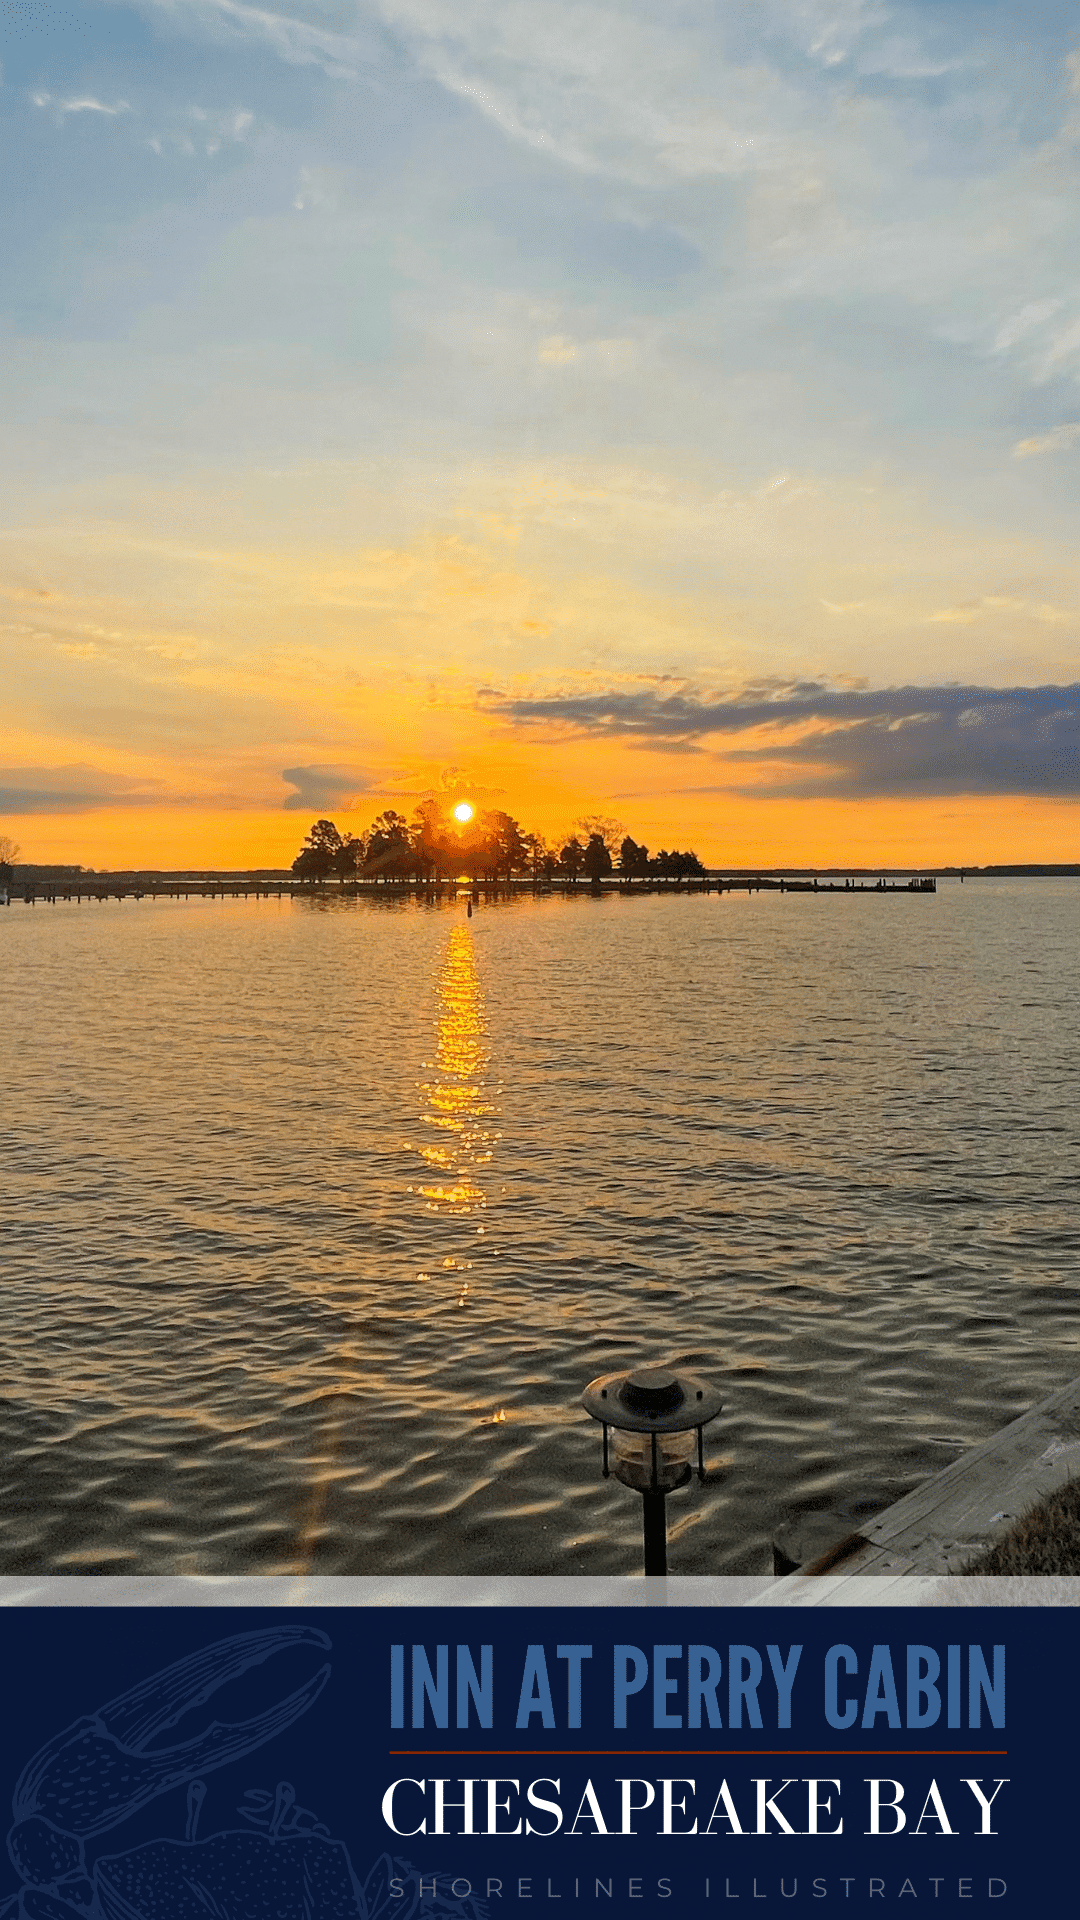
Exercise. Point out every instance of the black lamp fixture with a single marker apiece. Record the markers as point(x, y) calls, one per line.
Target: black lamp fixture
point(653, 1416)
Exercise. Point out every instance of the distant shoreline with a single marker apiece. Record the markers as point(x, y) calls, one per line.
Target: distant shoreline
point(27, 874)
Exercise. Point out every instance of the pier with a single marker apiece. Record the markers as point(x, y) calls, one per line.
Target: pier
point(90, 888)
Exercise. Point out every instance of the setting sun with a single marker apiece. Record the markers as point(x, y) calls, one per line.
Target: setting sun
point(463, 812)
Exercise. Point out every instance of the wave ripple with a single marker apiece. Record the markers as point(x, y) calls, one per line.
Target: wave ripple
point(318, 1216)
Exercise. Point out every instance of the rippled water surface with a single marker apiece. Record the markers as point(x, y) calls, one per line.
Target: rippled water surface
point(317, 1217)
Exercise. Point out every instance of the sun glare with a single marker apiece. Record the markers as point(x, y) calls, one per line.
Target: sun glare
point(463, 812)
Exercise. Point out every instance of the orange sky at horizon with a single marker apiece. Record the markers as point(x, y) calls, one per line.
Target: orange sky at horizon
point(961, 830)
point(642, 646)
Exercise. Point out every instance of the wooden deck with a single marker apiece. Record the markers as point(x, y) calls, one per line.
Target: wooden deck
point(942, 1524)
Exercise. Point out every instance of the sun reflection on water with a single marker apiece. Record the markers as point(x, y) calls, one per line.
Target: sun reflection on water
point(457, 1103)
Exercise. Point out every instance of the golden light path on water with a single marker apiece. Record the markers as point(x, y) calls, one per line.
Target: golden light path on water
point(458, 1105)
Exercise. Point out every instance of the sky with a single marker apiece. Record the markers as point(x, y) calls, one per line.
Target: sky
point(661, 409)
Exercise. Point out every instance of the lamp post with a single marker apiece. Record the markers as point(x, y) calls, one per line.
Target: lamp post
point(653, 1416)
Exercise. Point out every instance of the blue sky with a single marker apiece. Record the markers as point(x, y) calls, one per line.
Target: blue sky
point(385, 382)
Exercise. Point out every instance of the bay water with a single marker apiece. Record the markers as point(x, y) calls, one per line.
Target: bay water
point(317, 1216)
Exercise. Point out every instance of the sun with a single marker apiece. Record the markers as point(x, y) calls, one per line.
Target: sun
point(463, 812)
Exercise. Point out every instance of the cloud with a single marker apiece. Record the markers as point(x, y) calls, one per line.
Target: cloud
point(75, 788)
point(841, 743)
point(1024, 322)
point(319, 787)
point(206, 130)
point(855, 176)
point(608, 90)
point(609, 87)
point(296, 41)
point(82, 105)
point(610, 356)
point(92, 106)
point(1058, 440)
point(556, 350)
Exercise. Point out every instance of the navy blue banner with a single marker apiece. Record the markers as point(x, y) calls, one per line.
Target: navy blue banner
point(377, 1764)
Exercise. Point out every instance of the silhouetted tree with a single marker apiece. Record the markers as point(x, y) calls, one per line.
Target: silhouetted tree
point(600, 825)
point(389, 847)
point(318, 855)
point(543, 860)
point(572, 858)
point(350, 857)
point(431, 840)
point(596, 859)
point(491, 844)
point(534, 853)
point(473, 848)
point(675, 865)
point(633, 859)
point(508, 851)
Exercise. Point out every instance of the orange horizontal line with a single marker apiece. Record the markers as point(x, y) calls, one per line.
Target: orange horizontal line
point(696, 1753)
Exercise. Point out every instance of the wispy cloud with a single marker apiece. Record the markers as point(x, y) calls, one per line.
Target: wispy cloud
point(82, 104)
point(606, 89)
point(812, 740)
point(1058, 440)
point(860, 180)
point(204, 130)
point(819, 113)
point(297, 41)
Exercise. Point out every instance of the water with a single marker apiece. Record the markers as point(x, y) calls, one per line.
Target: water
point(318, 1217)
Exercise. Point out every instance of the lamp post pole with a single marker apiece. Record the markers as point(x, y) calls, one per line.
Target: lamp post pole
point(654, 1531)
point(650, 1419)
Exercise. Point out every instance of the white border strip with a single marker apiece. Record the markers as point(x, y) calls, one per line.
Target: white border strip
point(376, 1590)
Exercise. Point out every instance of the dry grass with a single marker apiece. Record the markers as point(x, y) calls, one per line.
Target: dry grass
point(1044, 1540)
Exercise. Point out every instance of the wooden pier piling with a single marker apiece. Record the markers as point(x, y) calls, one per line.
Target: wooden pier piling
point(433, 892)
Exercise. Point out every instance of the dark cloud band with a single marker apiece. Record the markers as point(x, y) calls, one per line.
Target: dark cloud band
point(73, 789)
point(321, 787)
point(895, 741)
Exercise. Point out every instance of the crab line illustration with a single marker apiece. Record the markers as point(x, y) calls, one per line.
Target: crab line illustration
point(100, 1770)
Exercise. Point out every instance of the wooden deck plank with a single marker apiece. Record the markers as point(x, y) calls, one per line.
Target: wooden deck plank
point(1008, 1469)
point(939, 1527)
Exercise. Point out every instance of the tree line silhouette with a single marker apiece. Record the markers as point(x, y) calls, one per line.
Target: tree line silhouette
point(490, 846)
point(9, 853)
